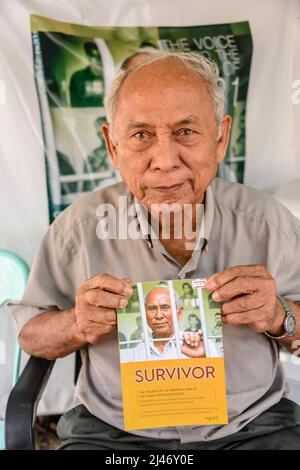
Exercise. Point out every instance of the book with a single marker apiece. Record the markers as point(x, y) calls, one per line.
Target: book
point(171, 356)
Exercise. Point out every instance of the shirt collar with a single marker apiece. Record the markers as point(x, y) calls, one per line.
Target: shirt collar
point(169, 345)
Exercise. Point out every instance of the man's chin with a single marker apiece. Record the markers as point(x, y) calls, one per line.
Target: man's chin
point(154, 202)
point(161, 334)
point(178, 196)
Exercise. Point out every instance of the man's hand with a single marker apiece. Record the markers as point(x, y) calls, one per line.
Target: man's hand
point(248, 296)
point(95, 305)
point(192, 344)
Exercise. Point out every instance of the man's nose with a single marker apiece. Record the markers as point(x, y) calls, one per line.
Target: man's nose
point(159, 312)
point(165, 155)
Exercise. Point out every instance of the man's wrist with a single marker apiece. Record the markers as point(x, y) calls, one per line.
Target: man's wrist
point(76, 335)
point(277, 328)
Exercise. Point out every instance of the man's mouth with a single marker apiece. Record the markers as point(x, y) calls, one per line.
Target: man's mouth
point(167, 189)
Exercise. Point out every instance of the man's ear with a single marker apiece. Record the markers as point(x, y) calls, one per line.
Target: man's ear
point(111, 147)
point(223, 139)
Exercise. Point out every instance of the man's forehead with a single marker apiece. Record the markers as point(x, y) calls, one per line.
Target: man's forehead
point(165, 75)
point(161, 70)
point(158, 295)
point(163, 100)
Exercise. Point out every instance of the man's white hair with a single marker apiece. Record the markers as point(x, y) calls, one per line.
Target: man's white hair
point(200, 65)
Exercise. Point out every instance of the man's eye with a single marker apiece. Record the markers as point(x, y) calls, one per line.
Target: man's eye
point(185, 132)
point(151, 308)
point(166, 307)
point(141, 135)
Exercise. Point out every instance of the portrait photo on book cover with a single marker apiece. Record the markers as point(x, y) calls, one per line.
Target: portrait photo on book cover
point(169, 320)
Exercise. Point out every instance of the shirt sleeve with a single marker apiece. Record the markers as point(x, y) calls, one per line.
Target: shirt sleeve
point(288, 275)
point(53, 282)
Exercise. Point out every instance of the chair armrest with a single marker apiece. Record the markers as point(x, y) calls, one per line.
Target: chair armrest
point(22, 404)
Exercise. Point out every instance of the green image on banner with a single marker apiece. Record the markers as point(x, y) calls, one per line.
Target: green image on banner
point(74, 66)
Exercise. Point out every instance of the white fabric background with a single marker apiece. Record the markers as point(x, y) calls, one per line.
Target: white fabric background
point(273, 122)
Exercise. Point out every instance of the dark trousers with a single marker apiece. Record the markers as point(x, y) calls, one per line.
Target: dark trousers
point(278, 428)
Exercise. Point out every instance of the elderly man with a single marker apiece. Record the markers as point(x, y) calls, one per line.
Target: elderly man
point(160, 320)
point(166, 134)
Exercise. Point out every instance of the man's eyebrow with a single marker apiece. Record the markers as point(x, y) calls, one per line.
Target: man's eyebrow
point(186, 120)
point(160, 305)
point(138, 124)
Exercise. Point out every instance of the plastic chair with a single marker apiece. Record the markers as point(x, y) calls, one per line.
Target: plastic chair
point(21, 409)
point(13, 278)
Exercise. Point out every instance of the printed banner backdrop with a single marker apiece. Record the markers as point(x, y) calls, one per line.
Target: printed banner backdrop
point(74, 66)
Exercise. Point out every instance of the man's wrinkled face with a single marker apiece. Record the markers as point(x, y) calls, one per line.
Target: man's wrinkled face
point(159, 313)
point(165, 135)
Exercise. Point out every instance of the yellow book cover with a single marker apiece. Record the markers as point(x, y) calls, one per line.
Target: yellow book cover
point(171, 354)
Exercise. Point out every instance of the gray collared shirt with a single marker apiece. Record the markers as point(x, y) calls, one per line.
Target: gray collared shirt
point(241, 226)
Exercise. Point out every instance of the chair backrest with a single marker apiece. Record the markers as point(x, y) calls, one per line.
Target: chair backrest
point(14, 273)
point(13, 276)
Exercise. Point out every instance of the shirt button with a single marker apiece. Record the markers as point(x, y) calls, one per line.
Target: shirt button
point(181, 276)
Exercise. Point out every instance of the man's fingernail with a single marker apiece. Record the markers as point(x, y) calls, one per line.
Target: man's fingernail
point(216, 296)
point(128, 290)
point(123, 302)
point(211, 284)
